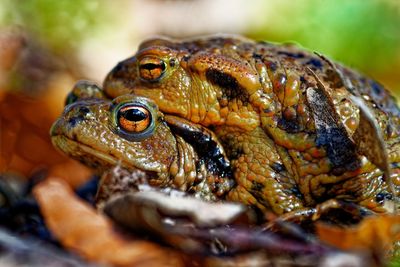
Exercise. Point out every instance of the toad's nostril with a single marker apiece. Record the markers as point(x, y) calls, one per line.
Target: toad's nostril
point(118, 67)
point(78, 116)
point(83, 111)
point(123, 69)
point(74, 121)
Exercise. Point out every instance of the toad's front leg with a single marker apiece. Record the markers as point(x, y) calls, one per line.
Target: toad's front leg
point(263, 179)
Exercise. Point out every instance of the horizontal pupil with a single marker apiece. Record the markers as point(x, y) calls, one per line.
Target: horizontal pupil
point(133, 115)
point(152, 66)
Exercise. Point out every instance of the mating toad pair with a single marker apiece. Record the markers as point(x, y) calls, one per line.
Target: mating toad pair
point(271, 126)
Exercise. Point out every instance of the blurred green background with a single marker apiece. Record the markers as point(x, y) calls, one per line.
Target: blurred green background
point(364, 34)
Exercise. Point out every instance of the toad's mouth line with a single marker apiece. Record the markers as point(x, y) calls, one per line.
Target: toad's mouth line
point(86, 153)
point(99, 161)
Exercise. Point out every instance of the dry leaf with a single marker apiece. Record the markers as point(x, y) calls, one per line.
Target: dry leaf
point(372, 234)
point(331, 133)
point(370, 142)
point(202, 213)
point(81, 228)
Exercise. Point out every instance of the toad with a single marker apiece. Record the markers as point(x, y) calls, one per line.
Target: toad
point(289, 120)
point(129, 131)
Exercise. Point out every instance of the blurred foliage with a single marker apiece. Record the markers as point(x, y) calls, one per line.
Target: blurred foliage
point(357, 31)
point(364, 34)
point(60, 24)
point(395, 263)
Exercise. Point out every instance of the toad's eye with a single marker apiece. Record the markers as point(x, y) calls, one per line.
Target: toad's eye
point(151, 68)
point(133, 119)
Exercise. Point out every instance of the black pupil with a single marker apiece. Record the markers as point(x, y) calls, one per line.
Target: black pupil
point(134, 114)
point(152, 66)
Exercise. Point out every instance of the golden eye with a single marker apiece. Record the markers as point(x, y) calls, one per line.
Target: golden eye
point(133, 119)
point(151, 68)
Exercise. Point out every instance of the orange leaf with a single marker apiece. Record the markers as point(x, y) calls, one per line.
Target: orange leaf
point(82, 229)
point(373, 233)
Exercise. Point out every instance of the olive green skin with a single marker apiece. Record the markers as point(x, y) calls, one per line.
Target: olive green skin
point(89, 132)
point(255, 96)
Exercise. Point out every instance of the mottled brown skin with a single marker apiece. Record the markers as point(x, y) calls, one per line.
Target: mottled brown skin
point(87, 132)
point(255, 96)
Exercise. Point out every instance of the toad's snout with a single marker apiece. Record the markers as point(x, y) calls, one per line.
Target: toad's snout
point(71, 117)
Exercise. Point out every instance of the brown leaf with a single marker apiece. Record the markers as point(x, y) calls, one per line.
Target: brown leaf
point(202, 213)
point(12, 41)
point(81, 228)
point(369, 140)
point(331, 133)
point(373, 234)
point(71, 171)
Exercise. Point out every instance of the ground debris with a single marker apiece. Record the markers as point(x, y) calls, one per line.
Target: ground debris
point(79, 227)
